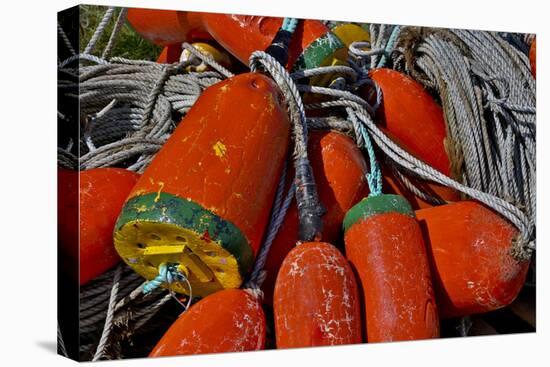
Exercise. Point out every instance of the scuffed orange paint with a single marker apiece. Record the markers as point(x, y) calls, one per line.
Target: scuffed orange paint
point(240, 186)
point(469, 247)
point(230, 320)
point(316, 299)
point(388, 253)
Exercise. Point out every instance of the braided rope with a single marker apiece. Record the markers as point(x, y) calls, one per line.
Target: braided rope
point(99, 30)
point(65, 39)
point(109, 318)
point(310, 209)
point(116, 30)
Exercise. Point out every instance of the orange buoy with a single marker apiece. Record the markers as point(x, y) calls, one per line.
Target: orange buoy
point(231, 320)
point(411, 117)
point(339, 171)
point(533, 58)
point(472, 268)
point(385, 247)
point(167, 27)
point(204, 201)
point(394, 186)
point(312, 43)
point(102, 195)
point(170, 54)
point(316, 300)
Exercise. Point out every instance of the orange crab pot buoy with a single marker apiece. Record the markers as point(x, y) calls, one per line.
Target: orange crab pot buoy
point(316, 300)
point(231, 320)
point(412, 118)
point(533, 58)
point(312, 43)
point(339, 170)
point(472, 268)
point(102, 195)
point(167, 27)
point(204, 201)
point(384, 244)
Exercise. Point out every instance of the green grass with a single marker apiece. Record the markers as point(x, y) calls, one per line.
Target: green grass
point(128, 43)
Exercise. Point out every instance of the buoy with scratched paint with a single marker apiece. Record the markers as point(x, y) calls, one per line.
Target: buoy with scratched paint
point(99, 201)
point(411, 117)
point(312, 43)
point(167, 27)
point(204, 201)
point(469, 248)
point(533, 58)
point(385, 247)
point(230, 320)
point(339, 170)
point(316, 300)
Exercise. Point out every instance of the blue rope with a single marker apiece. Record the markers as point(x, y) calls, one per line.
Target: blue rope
point(168, 273)
point(374, 178)
point(389, 45)
point(289, 24)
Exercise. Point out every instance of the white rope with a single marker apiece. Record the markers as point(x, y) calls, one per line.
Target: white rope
point(109, 319)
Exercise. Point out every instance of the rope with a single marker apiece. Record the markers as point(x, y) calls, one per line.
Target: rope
point(114, 34)
point(374, 177)
point(289, 24)
point(488, 97)
point(278, 213)
point(278, 48)
point(109, 319)
point(60, 343)
point(208, 60)
point(389, 45)
point(168, 274)
point(65, 39)
point(99, 30)
point(309, 207)
point(130, 109)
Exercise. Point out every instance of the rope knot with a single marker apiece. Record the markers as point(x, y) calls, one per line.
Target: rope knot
point(168, 274)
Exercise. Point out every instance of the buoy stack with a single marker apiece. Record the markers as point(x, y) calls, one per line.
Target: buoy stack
point(386, 266)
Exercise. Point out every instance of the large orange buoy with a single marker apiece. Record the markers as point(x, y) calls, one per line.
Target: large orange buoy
point(231, 320)
point(533, 57)
point(412, 118)
point(204, 201)
point(167, 27)
point(339, 171)
point(316, 299)
point(102, 195)
point(384, 244)
point(312, 43)
point(472, 268)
